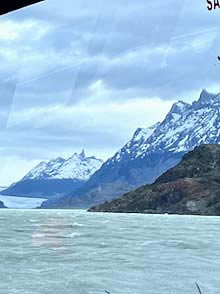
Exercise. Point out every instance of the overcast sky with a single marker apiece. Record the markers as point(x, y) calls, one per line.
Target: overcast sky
point(88, 74)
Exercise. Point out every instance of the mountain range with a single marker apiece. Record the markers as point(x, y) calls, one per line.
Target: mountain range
point(55, 177)
point(192, 187)
point(150, 152)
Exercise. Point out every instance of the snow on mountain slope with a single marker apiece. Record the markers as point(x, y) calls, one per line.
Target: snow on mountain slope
point(77, 167)
point(151, 152)
point(185, 126)
point(132, 148)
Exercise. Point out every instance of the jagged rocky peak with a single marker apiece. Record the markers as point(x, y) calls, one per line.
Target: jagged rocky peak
point(57, 160)
point(144, 133)
point(82, 157)
point(76, 155)
point(79, 156)
point(180, 131)
point(83, 154)
point(179, 107)
point(177, 110)
point(206, 98)
point(77, 166)
point(140, 136)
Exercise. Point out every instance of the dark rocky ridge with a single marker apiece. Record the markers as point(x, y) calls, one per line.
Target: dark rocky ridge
point(192, 187)
point(2, 205)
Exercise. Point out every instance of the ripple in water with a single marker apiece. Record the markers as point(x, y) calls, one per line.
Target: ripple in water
point(63, 252)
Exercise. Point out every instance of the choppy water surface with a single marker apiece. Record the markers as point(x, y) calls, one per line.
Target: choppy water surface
point(63, 252)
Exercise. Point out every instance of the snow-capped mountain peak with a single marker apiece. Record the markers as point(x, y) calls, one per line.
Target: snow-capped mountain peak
point(77, 167)
point(185, 126)
point(144, 133)
point(206, 97)
point(179, 107)
point(77, 156)
point(152, 151)
point(130, 149)
point(83, 154)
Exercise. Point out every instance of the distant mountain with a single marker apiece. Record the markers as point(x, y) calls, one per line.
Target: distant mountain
point(192, 187)
point(56, 177)
point(151, 152)
point(2, 188)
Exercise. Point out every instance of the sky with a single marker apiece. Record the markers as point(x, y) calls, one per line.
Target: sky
point(87, 74)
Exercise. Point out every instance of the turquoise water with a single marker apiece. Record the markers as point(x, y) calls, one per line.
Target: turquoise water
point(45, 252)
